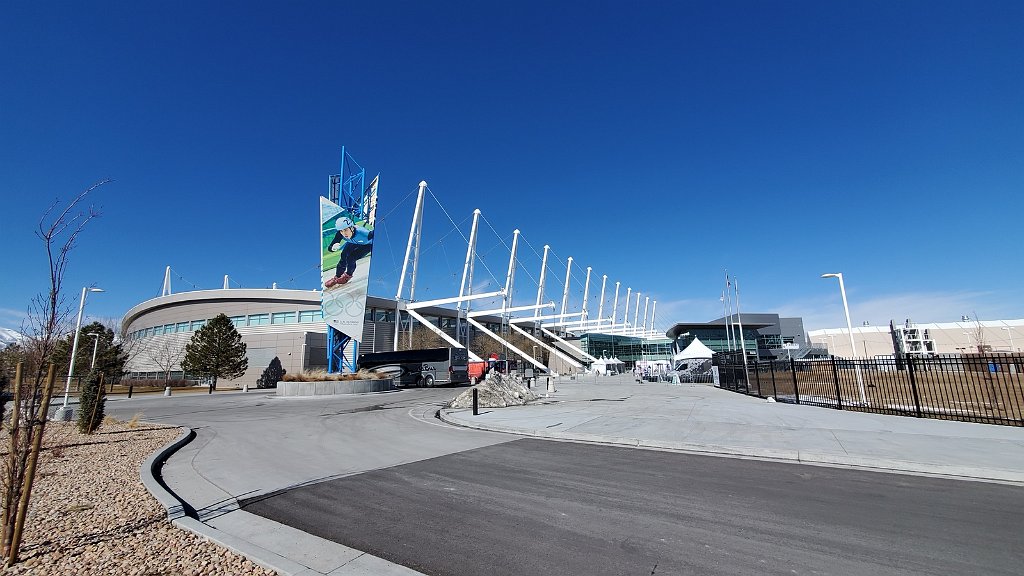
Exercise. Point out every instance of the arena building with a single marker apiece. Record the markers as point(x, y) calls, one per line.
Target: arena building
point(288, 325)
point(274, 323)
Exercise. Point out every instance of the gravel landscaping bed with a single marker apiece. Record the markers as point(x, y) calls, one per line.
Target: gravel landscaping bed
point(91, 515)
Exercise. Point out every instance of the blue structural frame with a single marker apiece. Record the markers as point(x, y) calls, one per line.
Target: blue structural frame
point(347, 190)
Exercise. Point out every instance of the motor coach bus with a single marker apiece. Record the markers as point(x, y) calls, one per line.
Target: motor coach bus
point(425, 367)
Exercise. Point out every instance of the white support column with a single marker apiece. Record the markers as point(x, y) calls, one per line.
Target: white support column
point(470, 254)
point(593, 325)
point(565, 290)
point(566, 358)
point(534, 307)
point(511, 275)
point(167, 282)
point(417, 221)
point(636, 315)
point(543, 274)
point(586, 294)
point(417, 212)
point(507, 344)
point(600, 308)
point(625, 309)
point(467, 273)
point(647, 302)
point(416, 250)
point(560, 317)
point(615, 305)
point(442, 334)
point(654, 306)
point(440, 301)
point(555, 337)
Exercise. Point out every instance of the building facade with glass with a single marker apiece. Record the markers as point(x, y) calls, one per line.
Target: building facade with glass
point(763, 336)
point(629, 349)
point(274, 323)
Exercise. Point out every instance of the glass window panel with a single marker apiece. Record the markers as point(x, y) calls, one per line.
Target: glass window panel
point(282, 318)
point(196, 325)
point(238, 321)
point(181, 327)
point(259, 319)
point(309, 315)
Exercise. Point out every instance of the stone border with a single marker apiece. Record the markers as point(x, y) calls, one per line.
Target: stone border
point(331, 387)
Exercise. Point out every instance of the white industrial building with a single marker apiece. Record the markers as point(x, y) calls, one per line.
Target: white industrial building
point(965, 337)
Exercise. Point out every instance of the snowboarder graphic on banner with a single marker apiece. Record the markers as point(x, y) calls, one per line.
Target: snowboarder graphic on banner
point(354, 242)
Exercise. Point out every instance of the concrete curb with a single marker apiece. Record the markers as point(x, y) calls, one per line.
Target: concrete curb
point(783, 455)
point(184, 517)
point(181, 514)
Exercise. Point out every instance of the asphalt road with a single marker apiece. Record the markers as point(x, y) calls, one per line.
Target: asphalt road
point(541, 507)
point(461, 502)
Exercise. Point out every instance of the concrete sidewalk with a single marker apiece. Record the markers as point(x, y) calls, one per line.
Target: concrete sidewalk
point(700, 418)
point(256, 444)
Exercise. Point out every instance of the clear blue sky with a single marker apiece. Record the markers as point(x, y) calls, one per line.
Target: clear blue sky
point(658, 142)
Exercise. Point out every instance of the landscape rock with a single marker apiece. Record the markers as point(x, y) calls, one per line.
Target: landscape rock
point(496, 391)
point(91, 515)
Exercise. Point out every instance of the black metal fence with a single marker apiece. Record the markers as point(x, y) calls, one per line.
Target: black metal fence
point(970, 388)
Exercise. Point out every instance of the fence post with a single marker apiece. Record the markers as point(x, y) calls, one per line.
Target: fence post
point(913, 385)
point(475, 405)
point(796, 390)
point(835, 375)
point(775, 392)
point(757, 377)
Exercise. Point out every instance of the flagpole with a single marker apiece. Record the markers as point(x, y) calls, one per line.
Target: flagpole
point(728, 315)
point(725, 320)
point(739, 318)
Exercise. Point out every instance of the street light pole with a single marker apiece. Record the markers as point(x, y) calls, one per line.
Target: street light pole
point(95, 345)
point(849, 327)
point(74, 345)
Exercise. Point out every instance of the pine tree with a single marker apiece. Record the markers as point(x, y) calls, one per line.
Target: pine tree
point(91, 403)
point(273, 374)
point(110, 357)
point(216, 351)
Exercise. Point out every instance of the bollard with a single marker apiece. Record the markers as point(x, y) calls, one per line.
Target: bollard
point(130, 387)
point(167, 391)
point(475, 405)
point(245, 388)
point(551, 387)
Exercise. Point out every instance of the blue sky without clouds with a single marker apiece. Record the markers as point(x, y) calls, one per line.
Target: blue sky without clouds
point(658, 142)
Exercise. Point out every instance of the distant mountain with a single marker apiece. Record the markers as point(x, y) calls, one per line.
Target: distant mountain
point(8, 336)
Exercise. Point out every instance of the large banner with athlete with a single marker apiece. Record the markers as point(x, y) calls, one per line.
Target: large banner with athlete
point(346, 242)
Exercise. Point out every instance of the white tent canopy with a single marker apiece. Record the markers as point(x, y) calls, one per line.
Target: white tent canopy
point(696, 349)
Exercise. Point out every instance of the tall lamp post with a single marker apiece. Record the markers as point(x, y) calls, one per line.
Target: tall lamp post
point(95, 346)
point(74, 345)
point(849, 327)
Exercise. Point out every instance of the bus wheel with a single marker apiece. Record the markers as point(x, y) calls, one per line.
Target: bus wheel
point(428, 380)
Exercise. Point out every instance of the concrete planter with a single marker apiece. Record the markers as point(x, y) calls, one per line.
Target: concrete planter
point(331, 387)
